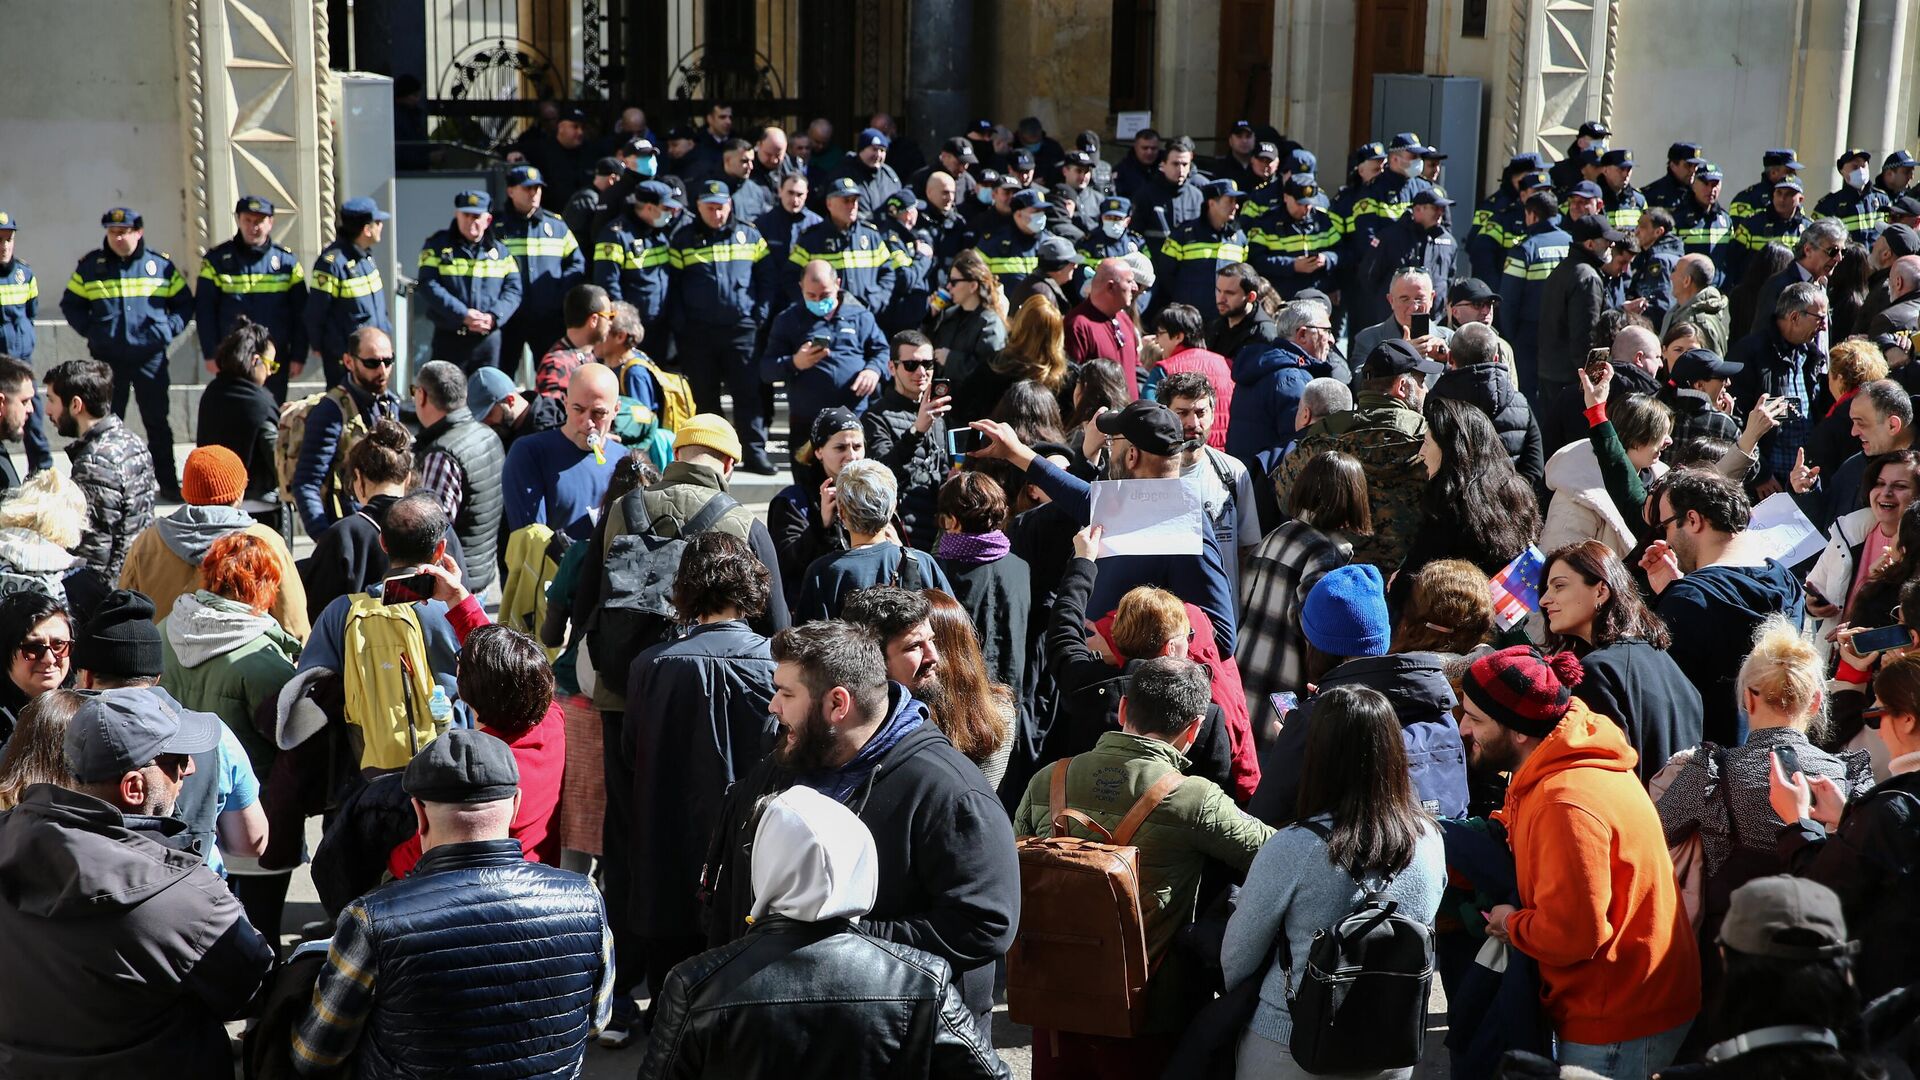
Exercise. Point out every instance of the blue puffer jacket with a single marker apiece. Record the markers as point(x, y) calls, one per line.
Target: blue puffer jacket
point(128, 309)
point(1267, 383)
point(487, 967)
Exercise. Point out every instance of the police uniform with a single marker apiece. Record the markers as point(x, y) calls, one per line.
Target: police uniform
point(1343, 209)
point(1523, 284)
point(1666, 191)
point(1012, 253)
point(456, 276)
point(912, 268)
point(1706, 230)
point(1097, 245)
point(551, 263)
point(130, 310)
point(859, 255)
point(716, 310)
point(345, 292)
point(1407, 243)
point(19, 305)
point(1500, 221)
point(1264, 195)
point(1759, 197)
point(1278, 238)
point(631, 259)
point(1193, 255)
point(1863, 209)
point(1159, 208)
point(265, 284)
point(1621, 208)
point(1756, 231)
point(1383, 202)
point(1650, 276)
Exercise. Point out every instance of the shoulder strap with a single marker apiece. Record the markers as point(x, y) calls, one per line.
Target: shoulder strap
point(633, 507)
point(1148, 802)
point(908, 577)
point(1057, 796)
point(710, 514)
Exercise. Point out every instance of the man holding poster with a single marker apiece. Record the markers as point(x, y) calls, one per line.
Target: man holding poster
point(1144, 442)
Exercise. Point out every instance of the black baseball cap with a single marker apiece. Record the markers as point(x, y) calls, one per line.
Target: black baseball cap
point(1395, 356)
point(961, 148)
point(1470, 291)
point(1594, 227)
point(1697, 364)
point(1683, 151)
point(1148, 425)
point(1594, 129)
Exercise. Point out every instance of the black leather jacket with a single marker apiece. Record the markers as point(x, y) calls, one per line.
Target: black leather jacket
point(799, 1000)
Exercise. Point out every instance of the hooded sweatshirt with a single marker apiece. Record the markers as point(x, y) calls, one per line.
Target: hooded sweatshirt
point(813, 859)
point(164, 561)
point(33, 555)
point(218, 656)
point(1712, 614)
point(120, 948)
point(1600, 908)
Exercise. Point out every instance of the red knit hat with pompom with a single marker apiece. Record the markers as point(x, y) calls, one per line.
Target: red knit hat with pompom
point(1522, 689)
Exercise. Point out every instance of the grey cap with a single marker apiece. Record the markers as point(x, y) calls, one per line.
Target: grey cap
point(463, 766)
point(121, 731)
point(1056, 252)
point(1786, 917)
point(488, 387)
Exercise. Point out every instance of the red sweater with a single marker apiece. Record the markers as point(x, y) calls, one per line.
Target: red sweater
point(1092, 333)
point(1214, 367)
point(541, 753)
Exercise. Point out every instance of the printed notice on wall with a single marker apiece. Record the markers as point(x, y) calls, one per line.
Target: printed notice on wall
point(1147, 517)
point(1128, 124)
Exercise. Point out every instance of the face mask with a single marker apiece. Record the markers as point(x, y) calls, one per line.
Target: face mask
point(1411, 169)
point(985, 197)
point(1032, 222)
point(822, 307)
point(1114, 229)
point(1857, 177)
point(647, 165)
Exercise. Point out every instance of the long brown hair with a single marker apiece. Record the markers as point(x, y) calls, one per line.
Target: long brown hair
point(1036, 344)
point(973, 710)
point(37, 752)
point(1624, 615)
point(1356, 769)
point(1449, 611)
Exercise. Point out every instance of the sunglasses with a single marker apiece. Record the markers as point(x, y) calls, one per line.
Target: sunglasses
point(912, 365)
point(36, 650)
point(375, 361)
point(271, 363)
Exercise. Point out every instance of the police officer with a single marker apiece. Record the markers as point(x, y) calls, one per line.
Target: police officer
point(1433, 161)
point(1776, 165)
point(1075, 202)
point(1419, 239)
point(1169, 198)
point(1896, 174)
point(1384, 202)
point(1860, 206)
point(1703, 225)
point(631, 256)
point(957, 160)
point(130, 302)
point(253, 276)
point(1621, 203)
point(1584, 199)
point(716, 311)
point(345, 292)
point(469, 285)
point(1013, 253)
point(550, 260)
point(1657, 249)
point(1268, 178)
point(868, 170)
point(1296, 245)
point(1114, 238)
point(1780, 223)
point(19, 304)
point(943, 224)
point(855, 250)
point(1672, 189)
point(1185, 266)
point(1566, 172)
point(911, 245)
point(1364, 165)
point(1237, 163)
point(1487, 238)
point(1523, 282)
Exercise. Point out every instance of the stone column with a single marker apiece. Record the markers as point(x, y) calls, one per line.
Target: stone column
point(1565, 76)
point(939, 76)
point(1186, 75)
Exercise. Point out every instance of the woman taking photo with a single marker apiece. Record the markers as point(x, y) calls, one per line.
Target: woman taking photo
point(976, 713)
point(1358, 828)
point(38, 636)
point(1476, 506)
point(803, 517)
point(1581, 508)
point(1593, 610)
point(1036, 349)
point(973, 329)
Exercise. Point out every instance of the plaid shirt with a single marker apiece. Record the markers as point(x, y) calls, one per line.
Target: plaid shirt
point(343, 997)
point(440, 474)
point(1274, 581)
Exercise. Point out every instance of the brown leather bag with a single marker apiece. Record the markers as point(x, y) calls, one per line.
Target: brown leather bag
point(1079, 960)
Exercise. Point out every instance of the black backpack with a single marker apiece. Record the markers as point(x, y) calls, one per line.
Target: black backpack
point(636, 604)
point(1361, 1003)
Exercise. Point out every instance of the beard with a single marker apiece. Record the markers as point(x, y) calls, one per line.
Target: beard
point(810, 747)
point(932, 693)
point(67, 426)
point(1492, 757)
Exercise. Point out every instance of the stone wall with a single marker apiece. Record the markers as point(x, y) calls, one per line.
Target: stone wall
point(1052, 59)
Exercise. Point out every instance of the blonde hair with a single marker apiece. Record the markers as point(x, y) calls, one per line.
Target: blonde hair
point(48, 504)
point(1146, 620)
point(1856, 362)
point(1784, 669)
point(1036, 344)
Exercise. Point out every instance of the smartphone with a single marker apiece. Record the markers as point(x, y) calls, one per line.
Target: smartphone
point(941, 388)
point(1788, 758)
point(406, 589)
point(964, 441)
point(1868, 642)
point(1284, 702)
point(1815, 595)
point(1597, 370)
point(821, 341)
point(1422, 325)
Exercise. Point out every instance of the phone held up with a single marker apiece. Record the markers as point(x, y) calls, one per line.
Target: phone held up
point(407, 589)
point(1420, 325)
point(1868, 642)
point(964, 441)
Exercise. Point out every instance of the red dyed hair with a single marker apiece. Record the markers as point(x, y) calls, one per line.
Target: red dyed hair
point(242, 567)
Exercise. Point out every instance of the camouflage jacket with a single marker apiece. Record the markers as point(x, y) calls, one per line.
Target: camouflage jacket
point(1385, 434)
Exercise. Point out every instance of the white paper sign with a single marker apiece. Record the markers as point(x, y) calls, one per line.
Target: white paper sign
point(1780, 531)
point(1147, 517)
point(1128, 124)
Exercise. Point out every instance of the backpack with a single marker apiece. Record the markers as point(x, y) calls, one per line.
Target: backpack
point(676, 393)
point(1079, 959)
point(636, 607)
point(334, 489)
point(907, 575)
point(530, 570)
point(388, 686)
point(1361, 1001)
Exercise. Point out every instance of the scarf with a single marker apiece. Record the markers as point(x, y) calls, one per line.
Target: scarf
point(974, 549)
point(844, 781)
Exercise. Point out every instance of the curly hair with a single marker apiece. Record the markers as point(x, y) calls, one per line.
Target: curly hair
point(1856, 362)
point(719, 571)
point(383, 455)
point(242, 568)
point(1449, 611)
point(50, 505)
point(1036, 344)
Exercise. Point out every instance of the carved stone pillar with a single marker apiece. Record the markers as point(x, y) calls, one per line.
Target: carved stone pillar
point(1562, 71)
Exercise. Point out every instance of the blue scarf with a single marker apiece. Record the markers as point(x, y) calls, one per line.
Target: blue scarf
point(908, 715)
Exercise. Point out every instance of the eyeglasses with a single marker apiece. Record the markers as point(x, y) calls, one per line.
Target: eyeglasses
point(36, 650)
point(271, 363)
point(374, 361)
point(912, 365)
point(1660, 527)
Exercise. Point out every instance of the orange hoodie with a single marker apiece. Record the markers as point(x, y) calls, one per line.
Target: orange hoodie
point(1602, 912)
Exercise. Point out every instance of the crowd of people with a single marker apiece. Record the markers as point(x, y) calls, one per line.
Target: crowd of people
point(1482, 657)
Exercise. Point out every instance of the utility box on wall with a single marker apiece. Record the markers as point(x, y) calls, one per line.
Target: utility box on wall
point(1445, 112)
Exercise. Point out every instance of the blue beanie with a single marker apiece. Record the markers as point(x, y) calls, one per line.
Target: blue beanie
point(1346, 612)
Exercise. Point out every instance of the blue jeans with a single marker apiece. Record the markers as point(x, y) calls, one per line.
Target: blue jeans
point(1635, 1059)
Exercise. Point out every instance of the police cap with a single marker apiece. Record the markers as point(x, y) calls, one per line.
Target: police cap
point(363, 207)
point(1864, 157)
point(1079, 159)
point(1534, 181)
point(253, 204)
point(1116, 206)
point(1029, 199)
point(843, 187)
point(1407, 141)
point(1223, 188)
point(900, 200)
point(1430, 197)
point(1020, 161)
point(961, 148)
point(1594, 129)
point(1899, 159)
point(1683, 151)
point(1782, 157)
point(529, 176)
point(121, 215)
point(1302, 186)
point(1587, 189)
point(473, 202)
point(8, 221)
point(1791, 183)
point(714, 193)
point(1301, 160)
point(1372, 151)
point(1708, 172)
point(1619, 159)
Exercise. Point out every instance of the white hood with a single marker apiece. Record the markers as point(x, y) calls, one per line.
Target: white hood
point(812, 859)
point(203, 626)
point(1574, 472)
point(29, 552)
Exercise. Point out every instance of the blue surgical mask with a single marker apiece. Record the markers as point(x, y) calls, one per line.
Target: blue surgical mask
point(647, 164)
point(1113, 228)
point(822, 307)
point(985, 196)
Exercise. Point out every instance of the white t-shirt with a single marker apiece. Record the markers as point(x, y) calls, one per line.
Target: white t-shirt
point(1229, 505)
